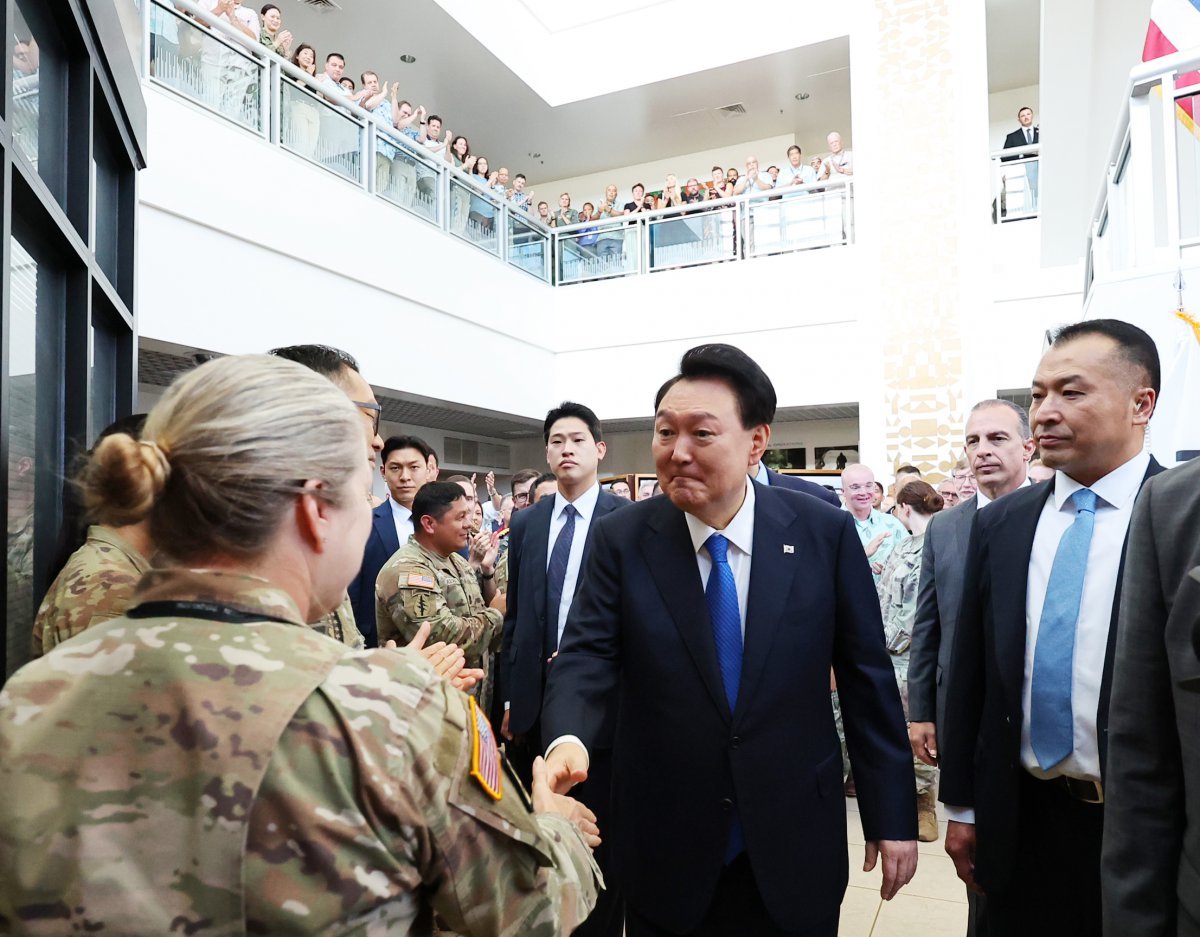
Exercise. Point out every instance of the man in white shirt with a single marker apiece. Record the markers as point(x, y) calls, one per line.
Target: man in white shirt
point(406, 463)
point(547, 548)
point(796, 172)
point(753, 180)
point(700, 642)
point(839, 164)
point(229, 76)
point(1028, 700)
point(999, 443)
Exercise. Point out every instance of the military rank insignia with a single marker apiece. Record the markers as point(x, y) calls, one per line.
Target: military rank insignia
point(485, 753)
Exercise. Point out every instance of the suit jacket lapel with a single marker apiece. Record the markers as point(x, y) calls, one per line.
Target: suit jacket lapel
point(771, 574)
point(667, 549)
point(1106, 678)
point(1010, 561)
point(536, 534)
point(385, 526)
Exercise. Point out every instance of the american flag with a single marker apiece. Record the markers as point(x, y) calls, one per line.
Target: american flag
point(1175, 25)
point(485, 754)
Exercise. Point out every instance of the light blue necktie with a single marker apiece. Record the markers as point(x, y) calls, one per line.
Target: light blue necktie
point(1051, 722)
point(721, 596)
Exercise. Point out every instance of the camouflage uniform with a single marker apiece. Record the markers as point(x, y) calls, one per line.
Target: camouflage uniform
point(898, 601)
point(417, 586)
point(341, 626)
point(97, 584)
point(502, 567)
point(245, 774)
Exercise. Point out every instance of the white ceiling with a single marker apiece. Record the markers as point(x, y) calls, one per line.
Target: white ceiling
point(1014, 32)
point(463, 80)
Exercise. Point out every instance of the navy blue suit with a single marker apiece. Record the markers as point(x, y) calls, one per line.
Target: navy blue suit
point(803, 484)
point(522, 654)
point(639, 649)
point(381, 544)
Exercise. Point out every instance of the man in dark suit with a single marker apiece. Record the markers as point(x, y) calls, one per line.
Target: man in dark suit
point(1025, 135)
point(548, 547)
point(1028, 700)
point(408, 463)
point(765, 476)
point(1150, 866)
point(704, 632)
point(999, 445)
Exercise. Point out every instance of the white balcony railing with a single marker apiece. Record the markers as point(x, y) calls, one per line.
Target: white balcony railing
point(1147, 212)
point(209, 63)
point(1015, 192)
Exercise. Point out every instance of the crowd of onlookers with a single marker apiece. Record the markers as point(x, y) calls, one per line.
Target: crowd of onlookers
point(428, 133)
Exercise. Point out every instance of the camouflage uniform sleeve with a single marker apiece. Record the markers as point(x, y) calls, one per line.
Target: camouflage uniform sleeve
point(85, 599)
point(498, 868)
point(419, 598)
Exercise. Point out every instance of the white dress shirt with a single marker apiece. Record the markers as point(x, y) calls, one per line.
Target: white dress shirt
point(402, 518)
point(585, 506)
point(1115, 495)
point(740, 534)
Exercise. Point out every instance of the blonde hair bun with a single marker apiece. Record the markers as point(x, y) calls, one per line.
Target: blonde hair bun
point(123, 479)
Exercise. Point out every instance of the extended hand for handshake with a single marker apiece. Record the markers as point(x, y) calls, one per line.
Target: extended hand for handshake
point(567, 765)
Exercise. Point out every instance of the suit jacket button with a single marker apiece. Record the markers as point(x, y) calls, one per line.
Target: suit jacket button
point(726, 805)
point(735, 741)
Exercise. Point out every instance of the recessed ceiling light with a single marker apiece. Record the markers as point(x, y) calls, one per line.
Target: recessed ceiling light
point(408, 59)
point(802, 95)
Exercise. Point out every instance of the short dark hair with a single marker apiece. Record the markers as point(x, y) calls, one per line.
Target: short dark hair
point(569, 408)
point(638, 185)
point(879, 486)
point(524, 475)
point(326, 360)
point(519, 175)
point(769, 168)
point(434, 500)
point(715, 168)
point(754, 391)
point(433, 117)
point(794, 147)
point(1025, 107)
point(407, 442)
point(363, 76)
point(909, 470)
point(268, 7)
point(542, 479)
point(1135, 346)
point(335, 55)
point(346, 79)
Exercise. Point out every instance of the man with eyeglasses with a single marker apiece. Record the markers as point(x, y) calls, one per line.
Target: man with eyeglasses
point(341, 369)
point(964, 479)
point(878, 532)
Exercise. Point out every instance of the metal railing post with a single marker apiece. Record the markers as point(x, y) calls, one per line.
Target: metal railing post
point(1170, 161)
point(505, 234)
point(275, 96)
point(367, 140)
point(147, 36)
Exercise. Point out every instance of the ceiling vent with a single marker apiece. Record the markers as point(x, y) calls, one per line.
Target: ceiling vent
point(323, 5)
point(732, 110)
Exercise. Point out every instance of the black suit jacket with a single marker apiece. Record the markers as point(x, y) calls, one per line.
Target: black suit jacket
point(522, 655)
point(639, 646)
point(1016, 139)
point(981, 764)
point(382, 542)
point(1150, 865)
point(775, 479)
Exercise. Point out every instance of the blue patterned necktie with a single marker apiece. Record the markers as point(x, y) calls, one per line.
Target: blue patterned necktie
point(722, 599)
point(1051, 720)
point(556, 576)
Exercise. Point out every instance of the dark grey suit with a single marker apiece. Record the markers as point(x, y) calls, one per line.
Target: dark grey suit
point(939, 597)
point(1150, 864)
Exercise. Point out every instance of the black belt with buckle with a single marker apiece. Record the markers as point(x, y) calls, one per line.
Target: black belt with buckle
point(1090, 792)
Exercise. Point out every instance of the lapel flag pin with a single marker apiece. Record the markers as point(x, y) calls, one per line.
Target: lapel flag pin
point(788, 548)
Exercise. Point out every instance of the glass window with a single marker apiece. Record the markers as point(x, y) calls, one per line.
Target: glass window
point(27, 54)
point(22, 408)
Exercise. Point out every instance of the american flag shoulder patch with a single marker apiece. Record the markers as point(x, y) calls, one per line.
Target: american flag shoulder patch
point(419, 581)
point(485, 753)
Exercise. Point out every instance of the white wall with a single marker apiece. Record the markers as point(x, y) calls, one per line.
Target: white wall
point(1002, 112)
point(589, 188)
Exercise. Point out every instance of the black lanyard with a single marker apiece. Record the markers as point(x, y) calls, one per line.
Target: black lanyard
point(210, 611)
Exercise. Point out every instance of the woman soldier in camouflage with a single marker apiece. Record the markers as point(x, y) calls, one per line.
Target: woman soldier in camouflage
point(206, 763)
point(916, 503)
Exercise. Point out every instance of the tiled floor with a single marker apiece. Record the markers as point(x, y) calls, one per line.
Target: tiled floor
point(933, 904)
